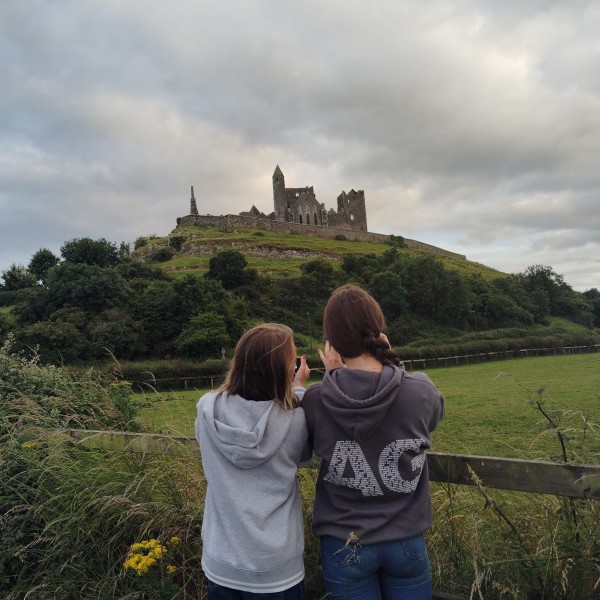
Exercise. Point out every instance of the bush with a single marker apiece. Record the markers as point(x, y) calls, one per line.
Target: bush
point(162, 254)
point(176, 242)
point(140, 242)
point(340, 237)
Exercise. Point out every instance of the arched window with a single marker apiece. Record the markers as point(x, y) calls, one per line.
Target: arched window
point(316, 219)
point(300, 217)
point(307, 219)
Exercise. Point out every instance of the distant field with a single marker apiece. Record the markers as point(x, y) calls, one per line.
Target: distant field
point(488, 409)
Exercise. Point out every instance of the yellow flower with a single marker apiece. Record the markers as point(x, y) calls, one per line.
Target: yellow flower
point(171, 568)
point(175, 540)
point(157, 552)
point(28, 445)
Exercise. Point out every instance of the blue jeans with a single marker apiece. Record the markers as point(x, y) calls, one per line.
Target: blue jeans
point(219, 592)
point(397, 570)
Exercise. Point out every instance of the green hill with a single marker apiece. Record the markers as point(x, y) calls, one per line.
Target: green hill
point(274, 253)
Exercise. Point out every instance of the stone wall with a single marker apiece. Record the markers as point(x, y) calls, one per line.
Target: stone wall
point(232, 222)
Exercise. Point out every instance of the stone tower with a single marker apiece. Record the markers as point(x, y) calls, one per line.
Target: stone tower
point(352, 212)
point(193, 207)
point(279, 195)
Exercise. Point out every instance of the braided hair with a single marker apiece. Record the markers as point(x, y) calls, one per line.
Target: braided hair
point(353, 323)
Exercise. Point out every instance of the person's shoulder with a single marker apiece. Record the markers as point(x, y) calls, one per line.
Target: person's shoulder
point(311, 400)
point(313, 392)
point(418, 377)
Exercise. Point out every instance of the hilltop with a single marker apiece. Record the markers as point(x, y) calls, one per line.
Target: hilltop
point(275, 253)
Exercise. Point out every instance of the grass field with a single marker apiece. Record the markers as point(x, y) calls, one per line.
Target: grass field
point(488, 406)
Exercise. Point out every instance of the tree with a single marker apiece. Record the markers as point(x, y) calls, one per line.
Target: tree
point(115, 331)
point(192, 295)
point(55, 341)
point(41, 262)
point(593, 298)
point(17, 277)
point(318, 279)
point(91, 252)
point(89, 287)
point(387, 289)
point(203, 337)
point(229, 267)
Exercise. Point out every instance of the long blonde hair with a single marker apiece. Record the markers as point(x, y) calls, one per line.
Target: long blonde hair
point(262, 364)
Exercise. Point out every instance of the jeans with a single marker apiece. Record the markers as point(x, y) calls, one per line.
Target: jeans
point(397, 570)
point(219, 592)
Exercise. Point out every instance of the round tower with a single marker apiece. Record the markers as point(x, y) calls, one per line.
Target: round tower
point(280, 207)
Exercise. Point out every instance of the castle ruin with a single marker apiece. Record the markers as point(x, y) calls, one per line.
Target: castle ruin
point(297, 210)
point(300, 205)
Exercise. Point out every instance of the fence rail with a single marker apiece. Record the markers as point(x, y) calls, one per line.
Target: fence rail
point(189, 382)
point(559, 479)
point(462, 359)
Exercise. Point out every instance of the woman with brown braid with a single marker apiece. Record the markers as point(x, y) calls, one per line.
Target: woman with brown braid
point(370, 422)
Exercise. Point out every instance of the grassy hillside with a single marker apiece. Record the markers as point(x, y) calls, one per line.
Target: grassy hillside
point(277, 253)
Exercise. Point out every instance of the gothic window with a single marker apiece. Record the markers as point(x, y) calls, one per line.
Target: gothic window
point(297, 194)
point(300, 217)
point(315, 219)
point(352, 217)
point(307, 219)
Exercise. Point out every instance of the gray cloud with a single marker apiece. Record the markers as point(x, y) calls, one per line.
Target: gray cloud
point(474, 125)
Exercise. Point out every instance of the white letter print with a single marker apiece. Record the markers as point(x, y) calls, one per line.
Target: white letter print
point(388, 465)
point(364, 479)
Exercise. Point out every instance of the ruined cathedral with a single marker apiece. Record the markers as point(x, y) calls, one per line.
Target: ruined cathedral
point(297, 210)
point(300, 205)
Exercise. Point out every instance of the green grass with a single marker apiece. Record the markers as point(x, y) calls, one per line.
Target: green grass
point(488, 410)
point(488, 405)
point(252, 241)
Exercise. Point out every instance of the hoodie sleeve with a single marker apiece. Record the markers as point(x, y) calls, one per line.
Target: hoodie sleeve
point(438, 412)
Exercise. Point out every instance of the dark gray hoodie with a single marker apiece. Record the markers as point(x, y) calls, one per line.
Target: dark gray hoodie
point(252, 531)
point(371, 431)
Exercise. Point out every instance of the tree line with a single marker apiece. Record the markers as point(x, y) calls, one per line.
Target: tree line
point(95, 300)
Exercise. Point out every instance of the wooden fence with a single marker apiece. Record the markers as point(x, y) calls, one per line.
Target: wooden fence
point(192, 381)
point(559, 479)
point(463, 359)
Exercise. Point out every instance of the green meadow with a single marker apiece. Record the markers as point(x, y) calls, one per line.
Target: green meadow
point(490, 407)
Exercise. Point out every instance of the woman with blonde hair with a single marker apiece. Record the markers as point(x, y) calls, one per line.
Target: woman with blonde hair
point(370, 421)
point(252, 435)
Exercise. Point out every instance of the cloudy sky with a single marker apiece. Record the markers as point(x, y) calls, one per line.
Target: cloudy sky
point(471, 124)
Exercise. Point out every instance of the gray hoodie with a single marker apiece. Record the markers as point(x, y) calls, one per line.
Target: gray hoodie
point(372, 430)
point(252, 531)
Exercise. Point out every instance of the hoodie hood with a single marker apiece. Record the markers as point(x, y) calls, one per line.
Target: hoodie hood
point(360, 400)
point(246, 432)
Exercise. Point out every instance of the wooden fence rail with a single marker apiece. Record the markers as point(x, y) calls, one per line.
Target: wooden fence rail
point(191, 381)
point(559, 479)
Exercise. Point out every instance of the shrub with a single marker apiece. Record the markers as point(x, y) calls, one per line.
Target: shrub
point(140, 242)
point(162, 254)
point(176, 242)
point(340, 237)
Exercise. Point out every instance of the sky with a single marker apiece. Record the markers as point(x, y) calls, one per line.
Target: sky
point(473, 125)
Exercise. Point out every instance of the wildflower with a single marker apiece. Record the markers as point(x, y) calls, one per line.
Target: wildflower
point(142, 556)
point(29, 445)
point(171, 568)
point(175, 540)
